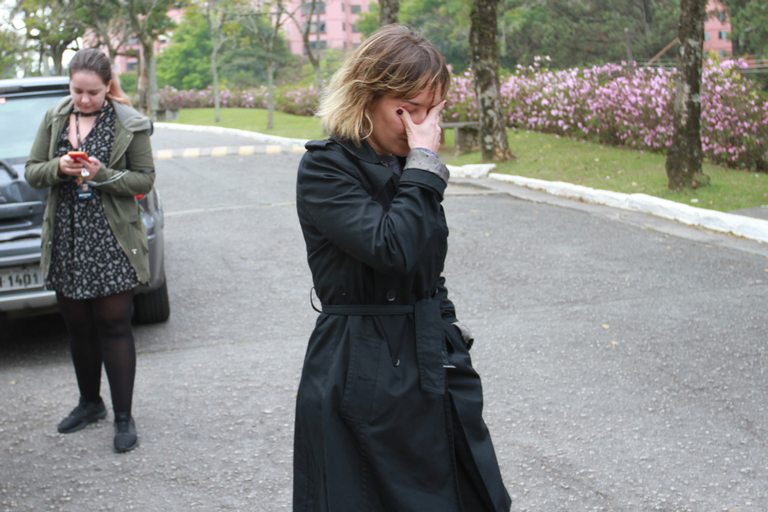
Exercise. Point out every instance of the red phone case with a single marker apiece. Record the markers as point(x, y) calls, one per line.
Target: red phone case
point(79, 155)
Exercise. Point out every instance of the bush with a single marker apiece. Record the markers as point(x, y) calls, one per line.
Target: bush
point(302, 101)
point(170, 97)
point(128, 82)
point(615, 104)
point(621, 105)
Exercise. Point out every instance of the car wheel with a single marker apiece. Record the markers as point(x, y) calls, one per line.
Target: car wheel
point(152, 307)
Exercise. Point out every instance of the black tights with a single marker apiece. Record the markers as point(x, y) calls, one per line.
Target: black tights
point(100, 331)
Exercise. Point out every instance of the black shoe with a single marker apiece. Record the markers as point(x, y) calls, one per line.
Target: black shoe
point(82, 415)
point(125, 433)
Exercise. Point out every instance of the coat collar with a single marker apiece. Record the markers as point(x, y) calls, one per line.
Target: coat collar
point(363, 152)
point(379, 172)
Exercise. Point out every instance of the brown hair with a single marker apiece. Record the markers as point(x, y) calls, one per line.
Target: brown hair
point(94, 60)
point(393, 61)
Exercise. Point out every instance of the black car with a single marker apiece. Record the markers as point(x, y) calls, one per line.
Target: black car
point(23, 104)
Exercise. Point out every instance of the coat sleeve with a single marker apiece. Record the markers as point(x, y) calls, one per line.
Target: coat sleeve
point(447, 309)
point(139, 176)
point(330, 191)
point(40, 171)
point(451, 324)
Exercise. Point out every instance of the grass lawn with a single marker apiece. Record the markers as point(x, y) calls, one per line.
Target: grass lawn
point(546, 157)
point(254, 120)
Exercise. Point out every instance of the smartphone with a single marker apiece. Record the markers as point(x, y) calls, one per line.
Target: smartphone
point(78, 155)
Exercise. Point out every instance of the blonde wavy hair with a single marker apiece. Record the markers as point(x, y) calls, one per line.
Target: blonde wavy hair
point(393, 61)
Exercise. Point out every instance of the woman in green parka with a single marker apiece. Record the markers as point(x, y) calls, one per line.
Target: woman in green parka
point(94, 245)
point(389, 408)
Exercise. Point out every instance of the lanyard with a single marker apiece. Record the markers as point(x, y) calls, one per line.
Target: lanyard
point(77, 124)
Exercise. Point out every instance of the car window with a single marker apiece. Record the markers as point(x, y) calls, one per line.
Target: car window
point(20, 118)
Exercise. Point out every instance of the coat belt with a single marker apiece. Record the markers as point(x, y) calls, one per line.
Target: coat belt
point(429, 335)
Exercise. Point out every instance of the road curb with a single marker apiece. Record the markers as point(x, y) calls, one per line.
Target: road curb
point(739, 225)
point(164, 154)
point(269, 139)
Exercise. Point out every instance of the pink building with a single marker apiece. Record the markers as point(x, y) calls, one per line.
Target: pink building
point(123, 63)
point(337, 26)
point(716, 29)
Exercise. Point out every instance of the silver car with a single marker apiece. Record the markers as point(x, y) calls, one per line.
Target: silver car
point(23, 103)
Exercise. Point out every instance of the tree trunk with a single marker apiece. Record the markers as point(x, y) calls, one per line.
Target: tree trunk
point(45, 68)
point(270, 93)
point(388, 11)
point(216, 100)
point(314, 56)
point(647, 16)
point(685, 155)
point(154, 103)
point(482, 40)
point(142, 84)
point(57, 54)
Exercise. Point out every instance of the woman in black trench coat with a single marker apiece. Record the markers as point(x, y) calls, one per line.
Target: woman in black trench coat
point(389, 409)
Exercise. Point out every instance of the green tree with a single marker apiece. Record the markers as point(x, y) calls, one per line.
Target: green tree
point(54, 26)
point(445, 23)
point(108, 21)
point(585, 33)
point(267, 37)
point(221, 19)
point(749, 26)
point(571, 33)
point(149, 20)
point(368, 22)
point(309, 27)
point(12, 53)
point(245, 64)
point(388, 12)
point(186, 62)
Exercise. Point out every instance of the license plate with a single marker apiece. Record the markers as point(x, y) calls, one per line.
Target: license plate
point(20, 278)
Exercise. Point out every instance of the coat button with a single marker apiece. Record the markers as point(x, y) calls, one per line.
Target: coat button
point(395, 361)
point(391, 295)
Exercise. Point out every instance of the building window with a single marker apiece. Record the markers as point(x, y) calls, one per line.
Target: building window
point(343, 26)
point(355, 28)
point(313, 27)
point(721, 53)
point(343, 5)
point(723, 34)
point(307, 6)
point(721, 15)
point(313, 45)
point(355, 9)
point(130, 66)
point(706, 36)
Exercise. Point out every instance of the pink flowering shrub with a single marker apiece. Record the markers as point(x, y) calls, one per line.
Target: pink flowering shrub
point(734, 118)
point(621, 105)
point(301, 101)
point(461, 102)
point(614, 104)
point(169, 97)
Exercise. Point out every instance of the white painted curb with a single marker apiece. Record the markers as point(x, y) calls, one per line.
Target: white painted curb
point(471, 170)
point(739, 225)
point(272, 139)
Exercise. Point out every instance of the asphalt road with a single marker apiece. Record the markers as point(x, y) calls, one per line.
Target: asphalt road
point(624, 357)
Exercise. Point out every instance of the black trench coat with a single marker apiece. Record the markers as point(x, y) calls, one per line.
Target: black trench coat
point(388, 412)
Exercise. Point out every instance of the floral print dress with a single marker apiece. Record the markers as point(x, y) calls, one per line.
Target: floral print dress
point(86, 261)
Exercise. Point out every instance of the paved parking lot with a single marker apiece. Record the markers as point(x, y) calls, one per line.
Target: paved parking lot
point(624, 357)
